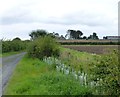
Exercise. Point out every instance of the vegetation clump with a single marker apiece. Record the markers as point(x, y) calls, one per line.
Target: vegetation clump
point(13, 45)
point(43, 47)
point(106, 71)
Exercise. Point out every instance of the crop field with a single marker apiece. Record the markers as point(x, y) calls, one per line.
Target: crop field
point(100, 40)
point(89, 42)
point(97, 49)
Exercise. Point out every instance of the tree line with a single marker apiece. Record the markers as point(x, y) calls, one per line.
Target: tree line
point(17, 44)
point(77, 34)
point(71, 34)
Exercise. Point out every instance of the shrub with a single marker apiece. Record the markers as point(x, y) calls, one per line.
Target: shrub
point(107, 69)
point(43, 47)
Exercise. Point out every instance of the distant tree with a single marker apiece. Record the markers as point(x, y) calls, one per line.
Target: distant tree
point(90, 37)
point(73, 34)
point(84, 37)
point(51, 35)
point(94, 36)
point(78, 34)
point(68, 35)
point(62, 37)
point(38, 33)
point(104, 37)
point(56, 35)
point(17, 38)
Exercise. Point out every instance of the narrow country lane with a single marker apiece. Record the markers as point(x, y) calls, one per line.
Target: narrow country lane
point(8, 65)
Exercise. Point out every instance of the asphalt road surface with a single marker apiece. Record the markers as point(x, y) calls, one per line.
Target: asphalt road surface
point(8, 65)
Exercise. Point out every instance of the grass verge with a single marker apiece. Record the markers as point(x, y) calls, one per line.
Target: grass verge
point(80, 61)
point(34, 77)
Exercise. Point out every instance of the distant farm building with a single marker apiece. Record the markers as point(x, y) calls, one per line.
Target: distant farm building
point(112, 37)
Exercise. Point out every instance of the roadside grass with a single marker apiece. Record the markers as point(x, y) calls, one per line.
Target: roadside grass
point(34, 77)
point(10, 53)
point(80, 61)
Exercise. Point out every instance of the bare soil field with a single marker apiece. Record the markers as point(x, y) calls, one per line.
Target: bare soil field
point(97, 49)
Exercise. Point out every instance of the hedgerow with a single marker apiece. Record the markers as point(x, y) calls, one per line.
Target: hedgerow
point(14, 45)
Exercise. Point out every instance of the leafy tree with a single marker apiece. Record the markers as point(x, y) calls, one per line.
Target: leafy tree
point(17, 38)
point(84, 37)
point(104, 37)
point(78, 34)
point(90, 37)
point(38, 33)
point(62, 37)
point(56, 35)
point(94, 36)
point(73, 34)
point(51, 35)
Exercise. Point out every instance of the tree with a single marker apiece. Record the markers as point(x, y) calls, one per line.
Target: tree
point(94, 36)
point(73, 34)
point(78, 34)
point(90, 37)
point(56, 35)
point(51, 35)
point(38, 33)
point(84, 37)
point(104, 37)
point(62, 37)
point(17, 38)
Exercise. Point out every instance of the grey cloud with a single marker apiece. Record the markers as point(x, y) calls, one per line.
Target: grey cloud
point(23, 15)
point(82, 19)
point(16, 15)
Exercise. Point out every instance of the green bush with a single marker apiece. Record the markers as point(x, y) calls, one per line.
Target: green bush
point(43, 47)
point(107, 69)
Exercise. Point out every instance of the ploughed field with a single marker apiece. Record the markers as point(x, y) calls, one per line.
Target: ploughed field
point(97, 49)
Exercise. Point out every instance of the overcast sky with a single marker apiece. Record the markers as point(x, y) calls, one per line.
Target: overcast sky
point(19, 17)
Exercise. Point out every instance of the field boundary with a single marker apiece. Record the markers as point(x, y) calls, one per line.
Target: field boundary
point(90, 42)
